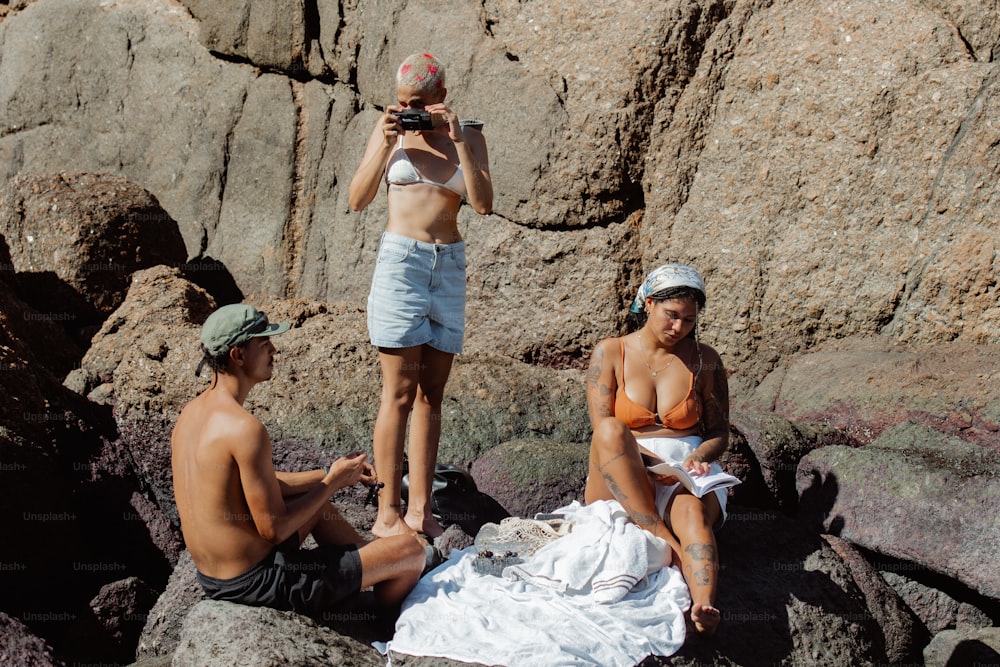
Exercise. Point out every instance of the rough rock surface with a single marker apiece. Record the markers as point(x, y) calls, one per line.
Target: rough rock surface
point(41, 333)
point(830, 167)
point(871, 384)
point(121, 609)
point(790, 597)
point(217, 634)
point(902, 635)
point(765, 450)
point(935, 608)
point(533, 475)
point(816, 166)
point(19, 646)
point(162, 630)
point(76, 239)
point(47, 434)
point(913, 494)
point(964, 647)
point(826, 165)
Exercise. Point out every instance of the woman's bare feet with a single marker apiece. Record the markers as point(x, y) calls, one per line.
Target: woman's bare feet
point(705, 619)
point(389, 528)
point(426, 525)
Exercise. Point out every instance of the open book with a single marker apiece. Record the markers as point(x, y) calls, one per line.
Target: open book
point(699, 485)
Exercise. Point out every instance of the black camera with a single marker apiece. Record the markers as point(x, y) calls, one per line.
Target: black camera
point(414, 119)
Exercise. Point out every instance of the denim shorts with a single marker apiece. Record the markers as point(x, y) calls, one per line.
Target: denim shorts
point(418, 294)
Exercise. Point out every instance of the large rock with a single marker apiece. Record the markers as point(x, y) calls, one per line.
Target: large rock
point(109, 630)
point(19, 646)
point(533, 475)
point(770, 456)
point(818, 167)
point(143, 360)
point(798, 154)
point(912, 494)
point(269, 34)
point(964, 647)
point(217, 634)
point(42, 333)
point(871, 384)
point(77, 238)
point(935, 608)
point(162, 630)
point(98, 107)
point(47, 434)
point(788, 600)
point(902, 634)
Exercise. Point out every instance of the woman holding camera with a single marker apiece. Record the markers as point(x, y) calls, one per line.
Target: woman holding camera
point(416, 306)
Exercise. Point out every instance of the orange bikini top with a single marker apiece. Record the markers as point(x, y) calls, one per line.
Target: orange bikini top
point(682, 416)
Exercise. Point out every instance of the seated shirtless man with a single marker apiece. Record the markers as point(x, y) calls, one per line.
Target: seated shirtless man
point(243, 521)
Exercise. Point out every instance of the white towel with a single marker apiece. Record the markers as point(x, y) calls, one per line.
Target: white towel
point(455, 612)
point(603, 557)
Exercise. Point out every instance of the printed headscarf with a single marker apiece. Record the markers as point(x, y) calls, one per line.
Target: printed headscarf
point(665, 277)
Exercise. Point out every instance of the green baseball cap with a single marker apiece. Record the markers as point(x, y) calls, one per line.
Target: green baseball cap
point(236, 323)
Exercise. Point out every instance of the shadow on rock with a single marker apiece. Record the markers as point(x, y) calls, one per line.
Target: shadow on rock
point(785, 597)
point(973, 652)
point(212, 276)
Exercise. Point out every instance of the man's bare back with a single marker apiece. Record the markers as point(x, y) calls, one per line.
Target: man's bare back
point(218, 528)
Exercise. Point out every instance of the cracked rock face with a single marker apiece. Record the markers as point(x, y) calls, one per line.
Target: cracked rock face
point(828, 170)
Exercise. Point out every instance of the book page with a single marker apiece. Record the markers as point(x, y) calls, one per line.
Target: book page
point(699, 485)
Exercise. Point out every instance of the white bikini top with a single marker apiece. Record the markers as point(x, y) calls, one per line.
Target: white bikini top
point(400, 171)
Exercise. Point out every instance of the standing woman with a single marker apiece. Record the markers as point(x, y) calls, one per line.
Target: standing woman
point(416, 306)
point(661, 395)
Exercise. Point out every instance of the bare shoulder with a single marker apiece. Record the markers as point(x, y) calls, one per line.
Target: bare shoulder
point(241, 429)
point(605, 349)
point(215, 419)
point(605, 357)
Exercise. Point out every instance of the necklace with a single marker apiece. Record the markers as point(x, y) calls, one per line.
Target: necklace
point(646, 356)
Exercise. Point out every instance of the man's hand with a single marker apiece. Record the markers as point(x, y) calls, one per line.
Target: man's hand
point(349, 470)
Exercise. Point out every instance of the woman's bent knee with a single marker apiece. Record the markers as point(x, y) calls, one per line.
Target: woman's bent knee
point(610, 433)
point(689, 512)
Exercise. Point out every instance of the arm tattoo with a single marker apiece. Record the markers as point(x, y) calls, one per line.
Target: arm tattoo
point(597, 392)
point(596, 366)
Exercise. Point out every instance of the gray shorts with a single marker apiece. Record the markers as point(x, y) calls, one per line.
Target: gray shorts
point(307, 581)
point(417, 295)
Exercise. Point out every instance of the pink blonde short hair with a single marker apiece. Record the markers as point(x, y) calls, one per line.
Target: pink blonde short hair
point(421, 70)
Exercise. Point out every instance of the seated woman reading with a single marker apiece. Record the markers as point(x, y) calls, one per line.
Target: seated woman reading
point(658, 394)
